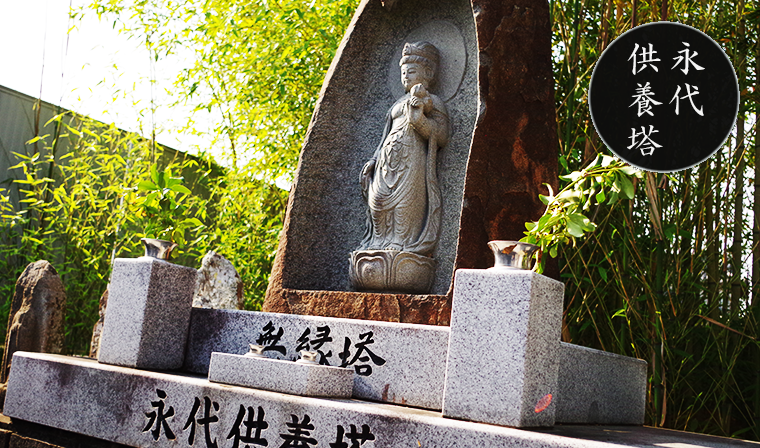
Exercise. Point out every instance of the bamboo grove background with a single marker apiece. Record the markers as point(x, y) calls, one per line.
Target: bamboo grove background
point(671, 276)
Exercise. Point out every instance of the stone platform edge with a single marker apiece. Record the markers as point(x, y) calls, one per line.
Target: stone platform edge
point(136, 407)
point(117, 403)
point(593, 393)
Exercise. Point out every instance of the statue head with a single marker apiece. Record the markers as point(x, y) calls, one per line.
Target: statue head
point(419, 64)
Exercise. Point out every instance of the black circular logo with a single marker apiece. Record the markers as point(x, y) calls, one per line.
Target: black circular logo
point(663, 97)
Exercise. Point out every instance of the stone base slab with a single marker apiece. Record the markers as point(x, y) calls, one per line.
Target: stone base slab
point(127, 406)
point(418, 383)
point(392, 362)
point(600, 387)
point(148, 314)
point(281, 376)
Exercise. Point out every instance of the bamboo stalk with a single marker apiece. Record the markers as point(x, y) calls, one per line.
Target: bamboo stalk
point(755, 315)
point(736, 249)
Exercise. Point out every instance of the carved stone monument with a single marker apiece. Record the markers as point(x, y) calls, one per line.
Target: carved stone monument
point(459, 162)
point(400, 184)
point(494, 84)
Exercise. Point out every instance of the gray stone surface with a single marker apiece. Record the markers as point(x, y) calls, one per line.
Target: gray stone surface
point(36, 315)
point(448, 38)
point(281, 376)
point(148, 314)
point(326, 212)
point(391, 270)
point(218, 284)
point(414, 355)
point(503, 350)
point(407, 366)
point(597, 387)
point(126, 406)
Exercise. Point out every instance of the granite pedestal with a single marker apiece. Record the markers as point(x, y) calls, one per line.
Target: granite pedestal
point(148, 314)
point(503, 349)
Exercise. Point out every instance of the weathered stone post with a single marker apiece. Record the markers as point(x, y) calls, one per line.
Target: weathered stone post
point(36, 317)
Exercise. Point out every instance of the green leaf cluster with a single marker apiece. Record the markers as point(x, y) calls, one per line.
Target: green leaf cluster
point(258, 66)
point(603, 181)
point(69, 201)
point(163, 206)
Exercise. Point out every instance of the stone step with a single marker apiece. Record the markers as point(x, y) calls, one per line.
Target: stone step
point(159, 409)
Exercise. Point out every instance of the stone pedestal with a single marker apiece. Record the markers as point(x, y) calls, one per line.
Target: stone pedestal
point(148, 314)
point(391, 270)
point(504, 348)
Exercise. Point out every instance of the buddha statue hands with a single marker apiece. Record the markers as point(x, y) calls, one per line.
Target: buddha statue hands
point(421, 98)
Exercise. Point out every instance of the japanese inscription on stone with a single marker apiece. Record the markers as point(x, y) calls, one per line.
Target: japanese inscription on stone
point(357, 352)
point(250, 428)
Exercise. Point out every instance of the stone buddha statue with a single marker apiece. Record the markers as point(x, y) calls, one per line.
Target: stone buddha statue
point(400, 184)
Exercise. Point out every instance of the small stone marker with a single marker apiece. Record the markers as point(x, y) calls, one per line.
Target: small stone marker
point(35, 320)
point(218, 284)
point(306, 379)
point(148, 314)
point(503, 349)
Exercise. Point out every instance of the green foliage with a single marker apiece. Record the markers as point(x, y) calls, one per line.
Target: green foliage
point(73, 213)
point(258, 66)
point(655, 279)
point(248, 216)
point(604, 179)
point(163, 206)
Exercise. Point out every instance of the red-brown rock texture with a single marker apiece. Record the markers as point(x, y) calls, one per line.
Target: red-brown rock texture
point(427, 309)
point(514, 146)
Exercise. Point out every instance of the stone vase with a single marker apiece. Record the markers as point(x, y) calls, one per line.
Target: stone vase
point(159, 249)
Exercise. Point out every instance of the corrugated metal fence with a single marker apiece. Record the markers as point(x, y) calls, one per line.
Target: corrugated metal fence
point(21, 121)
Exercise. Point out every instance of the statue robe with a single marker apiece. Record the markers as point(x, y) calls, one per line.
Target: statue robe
point(403, 193)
